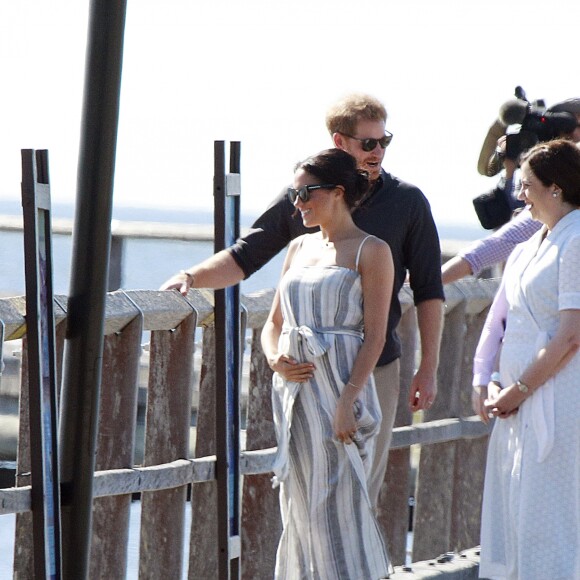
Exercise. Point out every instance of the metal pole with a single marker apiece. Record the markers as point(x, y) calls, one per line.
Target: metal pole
point(42, 387)
point(88, 285)
point(227, 353)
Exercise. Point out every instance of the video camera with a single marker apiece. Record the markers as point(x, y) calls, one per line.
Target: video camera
point(528, 123)
point(524, 124)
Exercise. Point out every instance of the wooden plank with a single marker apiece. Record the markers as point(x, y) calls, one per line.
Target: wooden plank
point(260, 503)
point(203, 557)
point(183, 471)
point(434, 499)
point(115, 447)
point(23, 548)
point(167, 439)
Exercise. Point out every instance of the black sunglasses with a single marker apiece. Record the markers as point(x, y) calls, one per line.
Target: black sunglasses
point(304, 192)
point(369, 144)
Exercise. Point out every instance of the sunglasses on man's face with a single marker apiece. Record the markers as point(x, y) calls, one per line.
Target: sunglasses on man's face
point(370, 144)
point(304, 192)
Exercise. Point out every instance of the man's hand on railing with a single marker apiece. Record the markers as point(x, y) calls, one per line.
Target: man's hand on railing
point(181, 281)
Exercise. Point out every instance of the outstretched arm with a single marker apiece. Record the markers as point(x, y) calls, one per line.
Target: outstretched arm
point(269, 234)
point(455, 269)
point(491, 250)
point(218, 271)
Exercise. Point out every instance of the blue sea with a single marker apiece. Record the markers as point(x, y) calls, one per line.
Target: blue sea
point(147, 263)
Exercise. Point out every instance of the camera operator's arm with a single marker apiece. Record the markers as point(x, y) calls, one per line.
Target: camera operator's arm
point(509, 165)
point(490, 158)
point(498, 161)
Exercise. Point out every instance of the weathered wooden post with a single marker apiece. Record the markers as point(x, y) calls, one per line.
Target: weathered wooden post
point(167, 426)
point(471, 453)
point(203, 556)
point(23, 547)
point(261, 522)
point(116, 436)
point(444, 468)
point(432, 525)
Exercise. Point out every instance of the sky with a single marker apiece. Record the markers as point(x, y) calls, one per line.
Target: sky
point(264, 72)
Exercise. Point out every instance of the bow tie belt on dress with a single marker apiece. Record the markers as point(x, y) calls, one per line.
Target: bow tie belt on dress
point(315, 340)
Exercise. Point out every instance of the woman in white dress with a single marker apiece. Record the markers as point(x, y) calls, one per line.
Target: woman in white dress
point(323, 337)
point(531, 505)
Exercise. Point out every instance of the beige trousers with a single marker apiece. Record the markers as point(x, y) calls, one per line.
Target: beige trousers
point(387, 381)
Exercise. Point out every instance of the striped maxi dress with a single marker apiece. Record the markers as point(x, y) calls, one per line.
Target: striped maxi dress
point(329, 527)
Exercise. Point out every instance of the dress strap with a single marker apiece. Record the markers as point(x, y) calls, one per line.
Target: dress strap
point(359, 252)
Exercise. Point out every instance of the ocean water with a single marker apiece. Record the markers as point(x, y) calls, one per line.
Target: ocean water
point(148, 263)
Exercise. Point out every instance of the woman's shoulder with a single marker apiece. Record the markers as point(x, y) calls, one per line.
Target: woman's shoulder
point(371, 241)
point(372, 251)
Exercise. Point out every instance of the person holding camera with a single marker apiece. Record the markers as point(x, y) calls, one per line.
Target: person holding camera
point(496, 248)
point(521, 124)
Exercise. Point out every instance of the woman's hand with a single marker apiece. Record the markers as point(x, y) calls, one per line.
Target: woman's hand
point(493, 390)
point(290, 369)
point(505, 403)
point(344, 423)
point(478, 397)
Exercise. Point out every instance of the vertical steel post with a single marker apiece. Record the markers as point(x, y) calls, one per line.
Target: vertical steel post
point(88, 285)
point(228, 366)
point(42, 383)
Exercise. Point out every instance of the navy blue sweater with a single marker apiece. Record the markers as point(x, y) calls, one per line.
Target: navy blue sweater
point(394, 211)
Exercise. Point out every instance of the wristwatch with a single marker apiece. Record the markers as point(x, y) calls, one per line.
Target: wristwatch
point(522, 387)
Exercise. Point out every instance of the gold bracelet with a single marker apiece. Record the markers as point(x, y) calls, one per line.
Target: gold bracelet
point(353, 385)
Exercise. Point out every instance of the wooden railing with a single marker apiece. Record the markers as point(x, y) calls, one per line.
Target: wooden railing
point(438, 459)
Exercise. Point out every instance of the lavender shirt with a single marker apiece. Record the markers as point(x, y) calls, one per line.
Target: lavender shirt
point(497, 247)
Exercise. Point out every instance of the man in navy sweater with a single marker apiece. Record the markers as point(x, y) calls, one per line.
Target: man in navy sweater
point(394, 211)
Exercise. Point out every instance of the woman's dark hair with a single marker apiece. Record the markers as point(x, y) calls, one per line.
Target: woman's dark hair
point(557, 162)
point(339, 168)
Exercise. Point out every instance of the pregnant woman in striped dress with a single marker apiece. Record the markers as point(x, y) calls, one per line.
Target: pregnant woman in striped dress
point(323, 337)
